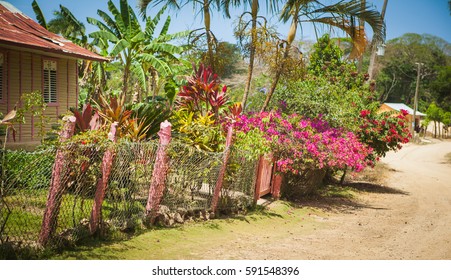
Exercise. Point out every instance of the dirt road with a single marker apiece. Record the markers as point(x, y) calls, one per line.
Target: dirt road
point(409, 217)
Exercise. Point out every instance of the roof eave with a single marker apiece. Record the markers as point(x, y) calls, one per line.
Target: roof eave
point(98, 58)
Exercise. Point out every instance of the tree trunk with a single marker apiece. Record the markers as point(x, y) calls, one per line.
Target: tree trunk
point(435, 129)
point(342, 179)
point(252, 53)
point(126, 77)
point(373, 57)
point(208, 32)
point(361, 25)
point(219, 182)
point(290, 39)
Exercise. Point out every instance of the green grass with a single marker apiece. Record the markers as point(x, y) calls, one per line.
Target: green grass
point(336, 191)
point(28, 207)
point(191, 240)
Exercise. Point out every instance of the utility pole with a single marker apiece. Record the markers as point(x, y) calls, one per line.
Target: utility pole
point(374, 45)
point(415, 101)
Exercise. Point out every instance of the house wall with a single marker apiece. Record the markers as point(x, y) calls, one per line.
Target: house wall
point(23, 74)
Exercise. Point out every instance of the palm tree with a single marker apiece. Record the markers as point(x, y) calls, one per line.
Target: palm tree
point(64, 23)
point(255, 7)
point(205, 7)
point(67, 25)
point(135, 48)
point(342, 15)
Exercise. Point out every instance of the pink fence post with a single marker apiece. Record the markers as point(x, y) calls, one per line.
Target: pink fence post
point(102, 183)
point(219, 182)
point(56, 185)
point(258, 179)
point(159, 173)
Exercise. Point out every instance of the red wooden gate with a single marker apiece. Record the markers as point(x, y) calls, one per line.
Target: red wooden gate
point(267, 179)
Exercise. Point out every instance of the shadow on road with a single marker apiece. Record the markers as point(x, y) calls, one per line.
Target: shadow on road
point(336, 201)
point(375, 188)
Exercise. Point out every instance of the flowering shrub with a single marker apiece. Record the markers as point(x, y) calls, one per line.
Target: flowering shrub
point(383, 132)
point(300, 144)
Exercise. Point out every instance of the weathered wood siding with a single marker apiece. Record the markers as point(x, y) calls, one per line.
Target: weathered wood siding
point(23, 74)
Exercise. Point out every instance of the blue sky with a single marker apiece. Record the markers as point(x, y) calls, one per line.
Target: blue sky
point(402, 16)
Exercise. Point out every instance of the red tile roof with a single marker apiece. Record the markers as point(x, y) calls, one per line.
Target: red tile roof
point(17, 29)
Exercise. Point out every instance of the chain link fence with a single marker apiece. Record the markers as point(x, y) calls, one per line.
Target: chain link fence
point(33, 212)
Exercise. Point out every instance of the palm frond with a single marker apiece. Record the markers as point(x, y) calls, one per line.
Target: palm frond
point(103, 34)
point(39, 15)
point(78, 25)
point(354, 9)
point(121, 45)
point(165, 28)
point(160, 65)
point(121, 28)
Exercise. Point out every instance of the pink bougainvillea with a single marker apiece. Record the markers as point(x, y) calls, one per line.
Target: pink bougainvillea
point(301, 143)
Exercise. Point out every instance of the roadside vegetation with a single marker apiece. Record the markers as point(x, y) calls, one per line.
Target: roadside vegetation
point(315, 111)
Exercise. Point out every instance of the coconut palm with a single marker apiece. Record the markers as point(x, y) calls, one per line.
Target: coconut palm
point(342, 15)
point(136, 49)
point(63, 23)
point(205, 8)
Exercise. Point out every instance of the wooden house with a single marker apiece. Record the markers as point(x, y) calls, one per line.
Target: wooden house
point(396, 109)
point(35, 59)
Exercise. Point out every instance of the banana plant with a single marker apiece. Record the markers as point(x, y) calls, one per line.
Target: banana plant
point(139, 50)
point(205, 7)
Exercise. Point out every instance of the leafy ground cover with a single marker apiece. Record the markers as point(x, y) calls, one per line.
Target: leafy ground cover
point(192, 240)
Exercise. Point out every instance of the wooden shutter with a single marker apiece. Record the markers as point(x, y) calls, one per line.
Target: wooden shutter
point(50, 68)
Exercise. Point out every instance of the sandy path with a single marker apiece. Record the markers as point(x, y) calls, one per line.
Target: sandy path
point(408, 218)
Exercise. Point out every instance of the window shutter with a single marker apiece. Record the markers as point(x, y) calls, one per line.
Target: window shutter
point(50, 69)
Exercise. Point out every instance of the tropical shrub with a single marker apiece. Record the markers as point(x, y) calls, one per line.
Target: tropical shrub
point(332, 88)
point(201, 109)
point(383, 132)
point(150, 114)
point(299, 143)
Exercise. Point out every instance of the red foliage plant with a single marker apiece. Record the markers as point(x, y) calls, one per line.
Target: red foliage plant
point(203, 92)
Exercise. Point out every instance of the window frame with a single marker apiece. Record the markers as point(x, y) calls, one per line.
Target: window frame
point(52, 98)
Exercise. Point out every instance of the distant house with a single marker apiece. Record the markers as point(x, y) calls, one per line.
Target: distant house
point(33, 58)
point(397, 107)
